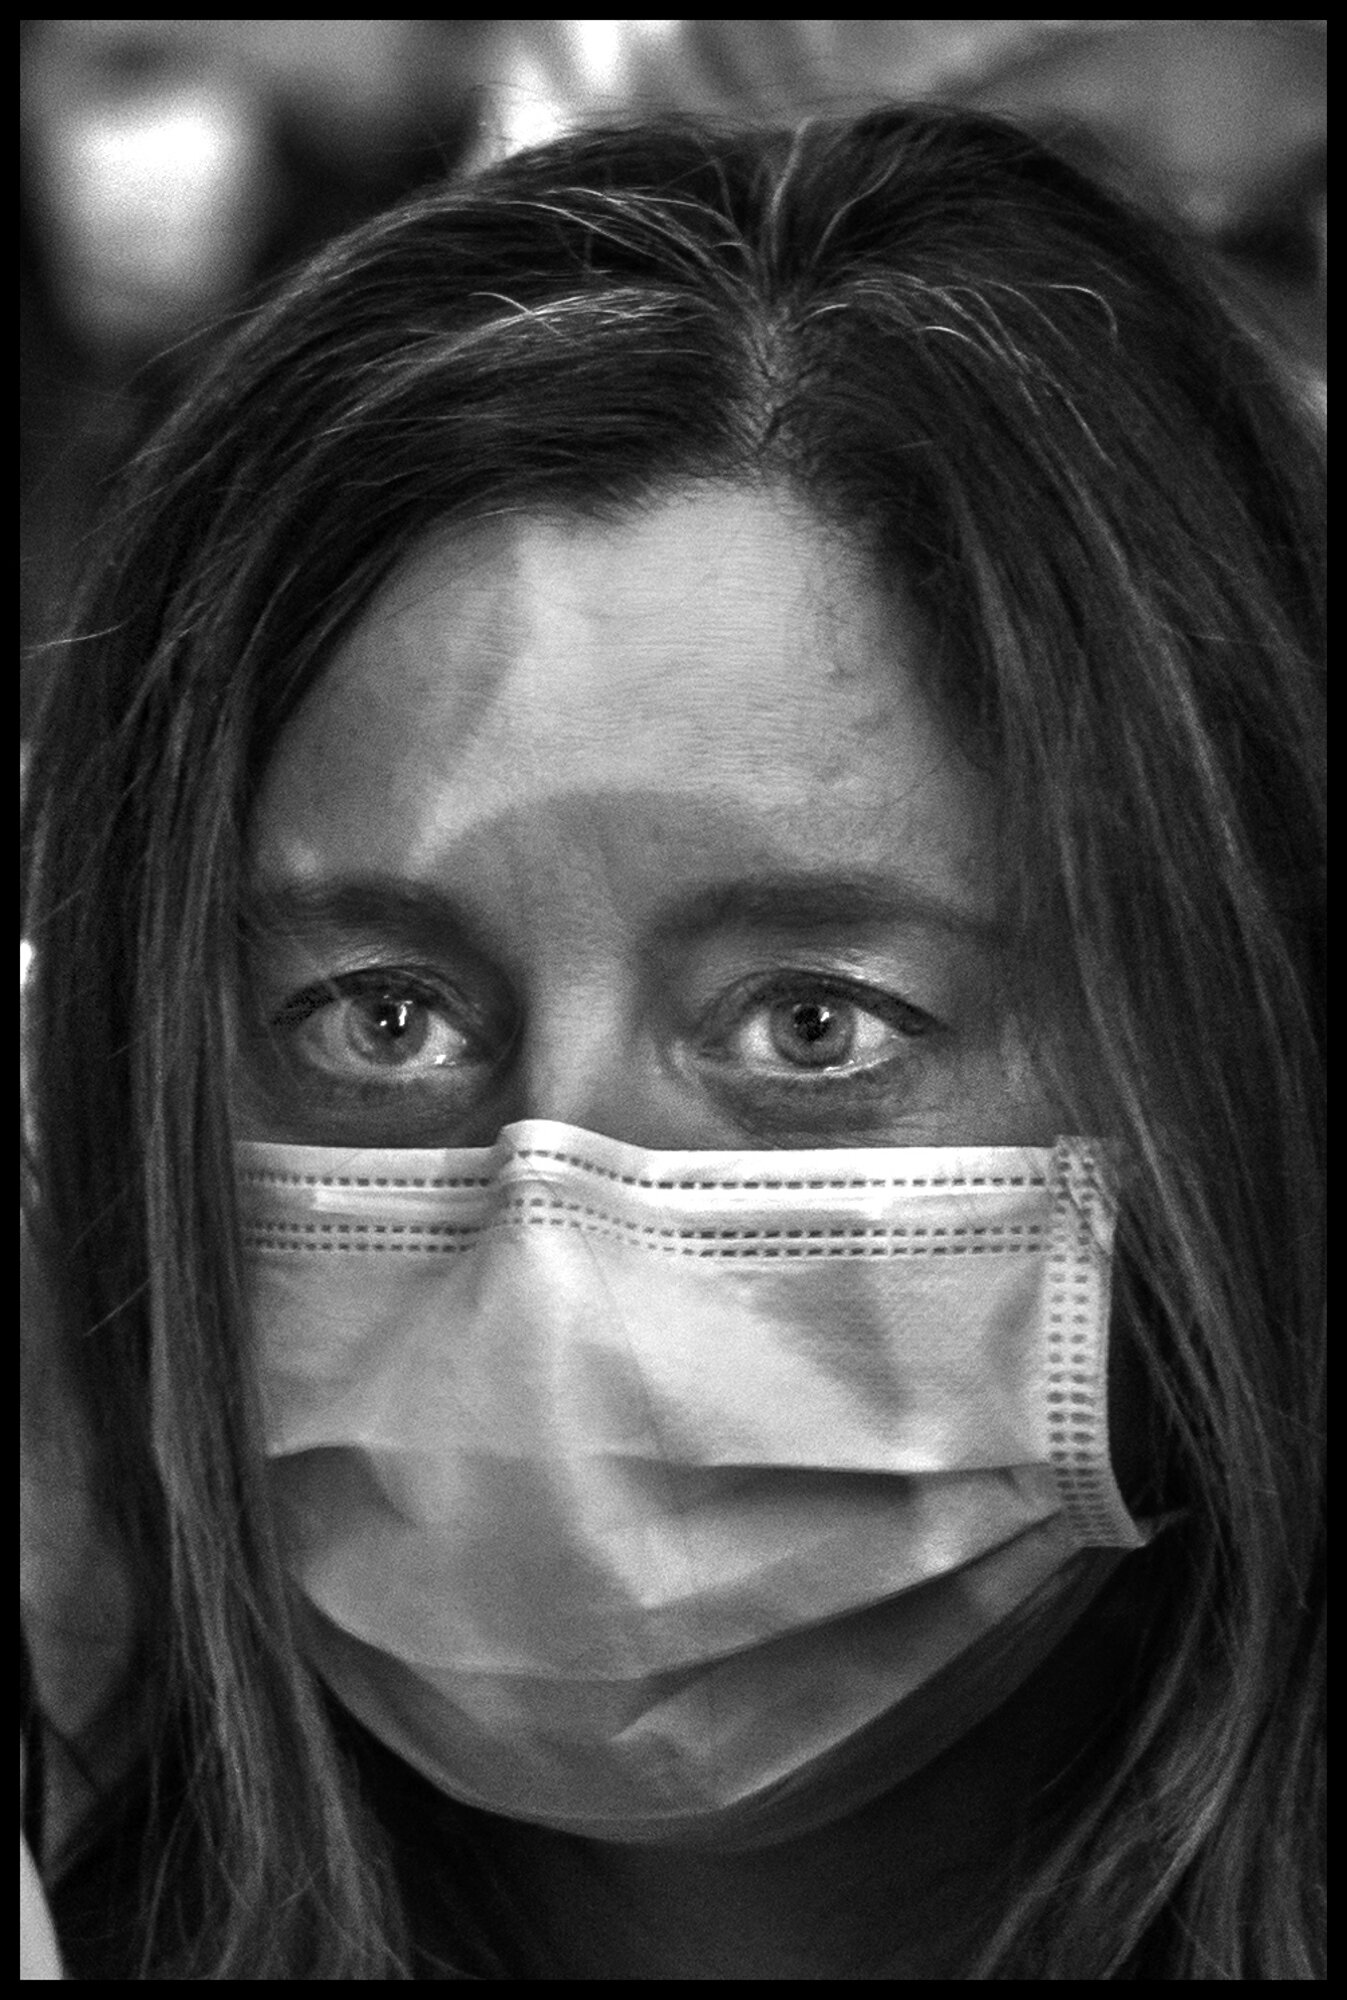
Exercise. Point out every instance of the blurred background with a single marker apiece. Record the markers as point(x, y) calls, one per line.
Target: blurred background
point(172, 171)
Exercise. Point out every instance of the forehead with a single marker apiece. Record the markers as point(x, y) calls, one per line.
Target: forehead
point(716, 662)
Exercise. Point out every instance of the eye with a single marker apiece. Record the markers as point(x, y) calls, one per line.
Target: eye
point(820, 1028)
point(378, 1027)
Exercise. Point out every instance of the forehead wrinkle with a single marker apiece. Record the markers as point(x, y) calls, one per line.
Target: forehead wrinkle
point(472, 699)
point(673, 859)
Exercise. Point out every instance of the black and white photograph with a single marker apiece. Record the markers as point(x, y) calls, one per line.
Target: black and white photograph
point(672, 1020)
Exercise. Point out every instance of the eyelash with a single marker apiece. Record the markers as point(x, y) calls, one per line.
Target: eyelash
point(426, 991)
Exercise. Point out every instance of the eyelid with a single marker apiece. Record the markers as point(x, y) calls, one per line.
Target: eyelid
point(420, 986)
point(805, 982)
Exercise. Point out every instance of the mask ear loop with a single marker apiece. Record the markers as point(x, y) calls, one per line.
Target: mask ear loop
point(1076, 1334)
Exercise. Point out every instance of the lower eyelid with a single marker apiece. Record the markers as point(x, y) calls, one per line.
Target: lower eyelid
point(880, 1075)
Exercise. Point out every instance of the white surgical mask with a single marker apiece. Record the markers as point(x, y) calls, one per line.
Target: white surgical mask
point(687, 1497)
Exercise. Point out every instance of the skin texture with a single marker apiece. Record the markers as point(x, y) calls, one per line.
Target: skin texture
point(586, 748)
point(575, 731)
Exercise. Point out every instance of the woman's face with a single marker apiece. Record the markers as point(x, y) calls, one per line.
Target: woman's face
point(648, 828)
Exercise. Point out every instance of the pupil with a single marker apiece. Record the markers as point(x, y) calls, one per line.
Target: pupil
point(390, 1028)
point(812, 1034)
point(812, 1021)
point(391, 1016)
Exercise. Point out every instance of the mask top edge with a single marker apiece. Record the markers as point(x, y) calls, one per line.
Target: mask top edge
point(548, 1144)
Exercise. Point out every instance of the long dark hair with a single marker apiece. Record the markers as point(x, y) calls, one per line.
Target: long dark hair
point(1030, 402)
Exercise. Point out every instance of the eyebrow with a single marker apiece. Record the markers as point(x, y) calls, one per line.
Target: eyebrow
point(802, 901)
point(813, 900)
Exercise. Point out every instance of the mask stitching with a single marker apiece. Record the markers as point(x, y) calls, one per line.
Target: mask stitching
point(270, 1177)
point(558, 1216)
point(871, 1242)
point(558, 1219)
point(1076, 1413)
point(267, 1177)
